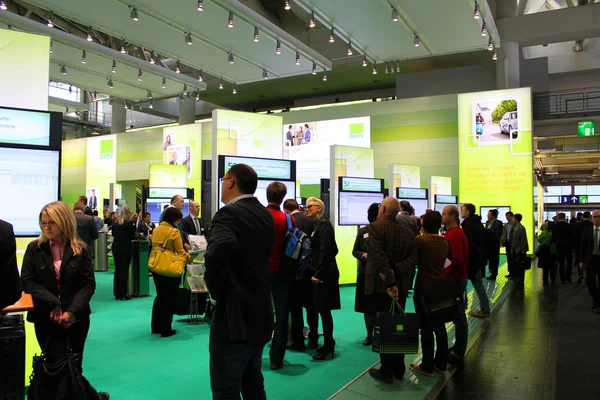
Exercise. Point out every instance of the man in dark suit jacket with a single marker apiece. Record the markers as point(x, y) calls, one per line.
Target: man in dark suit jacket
point(193, 224)
point(86, 210)
point(580, 227)
point(86, 226)
point(492, 243)
point(10, 282)
point(237, 276)
point(563, 235)
point(392, 256)
point(589, 257)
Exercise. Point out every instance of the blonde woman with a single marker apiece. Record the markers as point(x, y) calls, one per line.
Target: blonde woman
point(123, 232)
point(167, 234)
point(58, 273)
point(325, 274)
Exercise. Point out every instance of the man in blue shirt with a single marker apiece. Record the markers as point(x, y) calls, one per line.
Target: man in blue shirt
point(306, 134)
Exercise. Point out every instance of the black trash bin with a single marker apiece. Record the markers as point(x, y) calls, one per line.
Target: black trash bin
point(12, 357)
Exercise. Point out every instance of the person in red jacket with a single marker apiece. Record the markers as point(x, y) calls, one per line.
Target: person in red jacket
point(458, 254)
point(279, 280)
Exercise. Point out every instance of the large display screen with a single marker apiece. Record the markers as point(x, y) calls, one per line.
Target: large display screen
point(502, 210)
point(439, 207)
point(29, 179)
point(156, 206)
point(261, 191)
point(446, 198)
point(411, 193)
point(24, 127)
point(353, 184)
point(353, 207)
point(166, 192)
point(420, 205)
point(266, 168)
point(308, 143)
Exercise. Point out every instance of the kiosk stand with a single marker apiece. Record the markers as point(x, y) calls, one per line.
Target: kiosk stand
point(138, 271)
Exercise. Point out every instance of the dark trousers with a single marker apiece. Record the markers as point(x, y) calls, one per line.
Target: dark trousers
point(549, 265)
point(592, 271)
point(122, 262)
point(54, 337)
point(235, 367)
point(493, 262)
point(565, 262)
point(518, 270)
point(327, 322)
point(300, 297)
point(164, 303)
point(461, 326)
point(509, 257)
point(428, 327)
point(280, 290)
point(576, 262)
point(393, 364)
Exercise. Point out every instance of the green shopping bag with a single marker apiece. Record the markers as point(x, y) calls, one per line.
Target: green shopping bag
point(396, 333)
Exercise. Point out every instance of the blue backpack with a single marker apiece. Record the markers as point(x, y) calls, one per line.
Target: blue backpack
point(296, 249)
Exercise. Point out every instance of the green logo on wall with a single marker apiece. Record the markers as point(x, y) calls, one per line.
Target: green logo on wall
point(106, 149)
point(357, 131)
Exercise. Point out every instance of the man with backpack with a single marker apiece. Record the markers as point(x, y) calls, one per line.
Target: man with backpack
point(279, 277)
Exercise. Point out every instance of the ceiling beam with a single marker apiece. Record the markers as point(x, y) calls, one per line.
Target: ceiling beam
point(30, 26)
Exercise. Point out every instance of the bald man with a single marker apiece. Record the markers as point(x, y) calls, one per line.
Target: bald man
point(392, 258)
point(193, 224)
point(589, 257)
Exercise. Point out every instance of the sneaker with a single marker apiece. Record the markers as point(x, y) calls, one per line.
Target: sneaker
point(417, 369)
point(480, 314)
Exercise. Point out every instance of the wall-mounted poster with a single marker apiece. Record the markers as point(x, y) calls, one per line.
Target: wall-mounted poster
point(168, 140)
point(94, 199)
point(180, 155)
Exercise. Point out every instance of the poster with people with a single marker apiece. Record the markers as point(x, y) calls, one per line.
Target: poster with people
point(494, 121)
point(180, 155)
point(94, 200)
point(168, 140)
point(299, 134)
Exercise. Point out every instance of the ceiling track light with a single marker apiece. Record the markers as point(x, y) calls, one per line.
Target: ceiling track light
point(201, 76)
point(134, 14)
point(495, 56)
point(314, 68)
point(177, 69)
point(125, 105)
point(83, 57)
point(374, 68)
point(3, 5)
point(140, 75)
point(331, 37)
point(152, 57)
point(350, 52)
point(234, 91)
point(51, 45)
point(297, 58)
point(387, 69)
point(63, 70)
point(397, 66)
point(49, 21)
point(151, 105)
point(230, 58)
point(164, 83)
point(491, 46)
point(278, 47)
point(265, 74)
point(311, 23)
point(325, 75)
point(230, 20)
point(417, 41)
point(484, 29)
point(197, 96)
point(110, 83)
point(188, 38)
point(287, 5)
point(114, 67)
point(395, 17)
point(149, 94)
point(364, 64)
point(477, 11)
point(122, 49)
point(200, 5)
point(89, 37)
point(256, 34)
point(221, 84)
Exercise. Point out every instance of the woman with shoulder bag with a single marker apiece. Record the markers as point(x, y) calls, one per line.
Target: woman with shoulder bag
point(168, 235)
point(432, 250)
point(58, 273)
point(325, 274)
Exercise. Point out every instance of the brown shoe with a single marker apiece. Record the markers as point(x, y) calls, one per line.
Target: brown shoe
point(376, 373)
point(276, 366)
point(480, 314)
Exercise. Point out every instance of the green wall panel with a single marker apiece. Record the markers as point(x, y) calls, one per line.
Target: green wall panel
point(414, 132)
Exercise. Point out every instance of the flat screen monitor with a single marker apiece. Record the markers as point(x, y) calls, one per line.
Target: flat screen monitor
point(420, 205)
point(22, 127)
point(502, 210)
point(353, 207)
point(29, 179)
point(439, 207)
point(446, 198)
point(261, 191)
point(266, 168)
point(411, 193)
point(156, 206)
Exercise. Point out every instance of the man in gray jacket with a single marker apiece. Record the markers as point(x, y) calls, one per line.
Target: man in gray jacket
point(519, 247)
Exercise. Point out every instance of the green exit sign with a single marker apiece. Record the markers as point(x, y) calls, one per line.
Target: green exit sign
point(586, 128)
point(583, 199)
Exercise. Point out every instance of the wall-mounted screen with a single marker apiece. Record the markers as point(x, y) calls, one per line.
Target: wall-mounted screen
point(156, 206)
point(266, 168)
point(155, 192)
point(353, 207)
point(502, 210)
point(29, 127)
point(261, 191)
point(352, 184)
point(446, 198)
point(29, 179)
point(410, 193)
point(439, 207)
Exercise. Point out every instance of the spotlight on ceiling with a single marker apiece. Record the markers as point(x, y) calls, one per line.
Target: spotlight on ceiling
point(188, 38)
point(49, 21)
point(63, 70)
point(477, 11)
point(164, 83)
point(278, 47)
point(234, 91)
point(495, 56)
point(265, 74)
point(134, 14)
point(325, 75)
point(114, 67)
point(484, 29)
point(350, 52)
point(3, 5)
point(311, 23)
point(331, 37)
point(110, 83)
point(177, 69)
point(185, 91)
point(83, 57)
point(230, 20)
point(221, 84)
point(89, 37)
point(149, 94)
point(230, 58)
point(395, 15)
point(297, 58)
point(200, 5)
point(491, 46)
point(417, 41)
point(151, 105)
point(122, 49)
point(314, 68)
point(287, 5)
point(140, 75)
point(152, 57)
point(201, 76)
point(256, 34)
point(364, 64)
point(374, 68)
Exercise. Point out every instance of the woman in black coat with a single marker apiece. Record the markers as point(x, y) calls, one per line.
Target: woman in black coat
point(58, 273)
point(325, 274)
point(359, 251)
point(123, 232)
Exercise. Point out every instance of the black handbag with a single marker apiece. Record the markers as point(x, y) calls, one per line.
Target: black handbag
point(61, 380)
point(439, 298)
point(524, 262)
point(396, 333)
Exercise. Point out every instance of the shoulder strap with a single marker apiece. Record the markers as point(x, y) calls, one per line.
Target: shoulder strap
point(289, 221)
